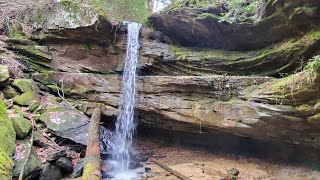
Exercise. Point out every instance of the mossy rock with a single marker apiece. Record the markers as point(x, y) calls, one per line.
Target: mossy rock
point(9, 92)
point(33, 106)
point(23, 85)
point(4, 73)
point(75, 15)
point(66, 122)
point(33, 165)
point(305, 109)
point(14, 30)
point(7, 145)
point(317, 107)
point(26, 99)
point(50, 172)
point(63, 118)
point(22, 127)
point(18, 111)
point(315, 119)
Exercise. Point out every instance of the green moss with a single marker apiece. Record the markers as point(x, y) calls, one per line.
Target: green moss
point(53, 88)
point(47, 77)
point(31, 52)
point(33, 106)
point(305, 109)
point(317, 106)
point(22, 127)
point(35, 58)
point(315, 119)
point(315, 33)
point(18, 111)
point(309, 11)
point(232, 101)
point(20, 41)
point(23, 85)
point(9, 92)
point(26, 99)
point(38, 17)
point(91, 165)
point(14, 30)
point(7, 145)
point(314, 65)
point(300, 85)
point(206, 15)
point(4, 73)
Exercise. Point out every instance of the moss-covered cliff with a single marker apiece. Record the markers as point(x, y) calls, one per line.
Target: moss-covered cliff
point(7, 145)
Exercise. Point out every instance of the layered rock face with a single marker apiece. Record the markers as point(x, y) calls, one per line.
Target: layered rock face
point(193, 89)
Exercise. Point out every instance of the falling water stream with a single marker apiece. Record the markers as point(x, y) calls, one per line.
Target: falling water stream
point(125, 125)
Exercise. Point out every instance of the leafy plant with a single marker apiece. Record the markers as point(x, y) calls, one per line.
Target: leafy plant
point(128, 10)
point(243, 11)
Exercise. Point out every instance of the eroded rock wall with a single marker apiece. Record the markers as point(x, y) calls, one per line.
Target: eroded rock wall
point(75, 66)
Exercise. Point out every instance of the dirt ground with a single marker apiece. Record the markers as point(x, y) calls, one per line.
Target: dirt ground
point(199, 164)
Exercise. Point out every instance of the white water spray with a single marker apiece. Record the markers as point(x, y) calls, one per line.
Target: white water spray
point(125, 125)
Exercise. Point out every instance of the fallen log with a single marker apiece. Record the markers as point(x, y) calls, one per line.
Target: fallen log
point(92, 167)
point(167, 168)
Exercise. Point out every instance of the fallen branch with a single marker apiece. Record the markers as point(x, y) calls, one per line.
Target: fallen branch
point(92, 167)
point(62, 96)
point(167, 168)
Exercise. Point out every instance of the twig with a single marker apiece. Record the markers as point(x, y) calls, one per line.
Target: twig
point(167, 168)
point(62, 96)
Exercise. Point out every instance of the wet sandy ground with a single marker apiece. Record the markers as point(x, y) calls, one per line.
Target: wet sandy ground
point(199, 164)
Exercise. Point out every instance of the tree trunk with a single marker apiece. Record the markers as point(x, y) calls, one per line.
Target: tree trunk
point(92, 168)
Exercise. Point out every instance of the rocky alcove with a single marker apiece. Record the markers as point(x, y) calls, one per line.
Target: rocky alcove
point(243, 89)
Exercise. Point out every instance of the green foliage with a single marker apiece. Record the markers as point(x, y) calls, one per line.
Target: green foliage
point(236, 10)
point(314, 64)
point(119, 10)
point(243, 11)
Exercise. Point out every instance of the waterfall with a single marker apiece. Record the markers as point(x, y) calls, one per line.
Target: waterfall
point(125, 125)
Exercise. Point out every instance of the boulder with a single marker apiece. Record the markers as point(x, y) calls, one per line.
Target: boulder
point(9, 92)
point(81, 23)
point(67, 122)
point(26, 99)
point(50, 172)
point(33, 166)
point(78, 169)
point(65, 164)
point(4, 73)
point(7, 139)
point(22, 126)
point(33, 106)
point(23, 85)
point(56, 155)
point(39, 140)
